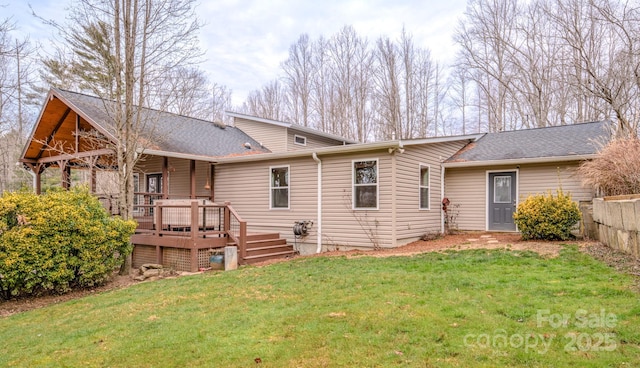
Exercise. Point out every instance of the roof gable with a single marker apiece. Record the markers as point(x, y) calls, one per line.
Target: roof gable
point(162, 132)
point(296, 128)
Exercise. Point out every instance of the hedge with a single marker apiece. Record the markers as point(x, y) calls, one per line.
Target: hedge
point(58, 241)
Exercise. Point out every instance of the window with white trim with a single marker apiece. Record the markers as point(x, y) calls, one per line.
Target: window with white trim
point(299, 139)
point(365, 184)
point(279, 187)
point(424, 187)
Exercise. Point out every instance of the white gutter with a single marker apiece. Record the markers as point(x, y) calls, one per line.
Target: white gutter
point(521, 161)
point(442, 197)
point(319, 220)
point(186, 156)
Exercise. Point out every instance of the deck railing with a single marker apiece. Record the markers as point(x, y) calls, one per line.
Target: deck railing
point(194, 221)
point(237, 230)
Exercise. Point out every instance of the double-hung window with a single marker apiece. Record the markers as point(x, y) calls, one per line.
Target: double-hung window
point(279, 187)
point(424, 187)
point(365, 184)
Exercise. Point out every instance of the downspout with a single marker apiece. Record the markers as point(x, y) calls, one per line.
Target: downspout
point(319, 221)
point(442, 196)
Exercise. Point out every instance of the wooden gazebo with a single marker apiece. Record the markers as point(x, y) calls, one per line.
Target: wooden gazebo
point(177, 224)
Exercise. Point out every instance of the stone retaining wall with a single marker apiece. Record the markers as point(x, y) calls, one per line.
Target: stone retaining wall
point(618, 222)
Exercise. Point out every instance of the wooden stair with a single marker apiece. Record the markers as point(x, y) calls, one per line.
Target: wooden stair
point(262, 247)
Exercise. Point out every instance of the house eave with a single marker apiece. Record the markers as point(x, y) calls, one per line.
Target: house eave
point(519, 161)
point(433, 140)
point(186, 156)
point(350, 148)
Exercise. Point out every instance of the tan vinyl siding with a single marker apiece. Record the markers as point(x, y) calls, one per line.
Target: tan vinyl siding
point(179, 176)
point(341, 226)
point(468, 188)
point(149, 164)
point(202, 173)
point(246, 186)
point(411, 221)
point(271, 136)
point(313, 141)
point(536, 179)
point(344, 227)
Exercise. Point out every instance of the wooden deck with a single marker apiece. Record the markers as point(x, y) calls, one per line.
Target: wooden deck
point(183, 234)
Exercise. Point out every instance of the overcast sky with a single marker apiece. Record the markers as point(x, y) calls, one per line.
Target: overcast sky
point(246, 40)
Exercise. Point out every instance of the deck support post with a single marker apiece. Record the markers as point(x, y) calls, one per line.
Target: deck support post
point(194, 235)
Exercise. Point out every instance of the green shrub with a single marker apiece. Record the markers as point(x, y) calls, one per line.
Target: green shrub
point(545, 216)
point(58, 241)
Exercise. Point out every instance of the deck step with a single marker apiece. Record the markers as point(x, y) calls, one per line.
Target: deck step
point(270, 249)
point(265, 246)
point(265, 257)
point(265, 243)
point(262, 236)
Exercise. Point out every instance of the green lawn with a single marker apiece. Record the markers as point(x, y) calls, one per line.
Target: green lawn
point(461, 309)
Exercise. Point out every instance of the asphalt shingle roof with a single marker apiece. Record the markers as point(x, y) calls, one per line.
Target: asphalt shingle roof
point(557, 141)
point(169, 132)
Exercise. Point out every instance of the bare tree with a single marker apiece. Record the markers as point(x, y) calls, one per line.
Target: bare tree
point(15, 105)
point(406, 96)
point(539, 63)
point(387, 77)
point(343, 86)
point(484, 35)
point(460, 92)
point(122, 49)
point(184, 91)
point(320, 86)
point(220, 102)
point(270, 102)
point(125, 49)
point(349, 61)
point(605, 53)
point(299, 70)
